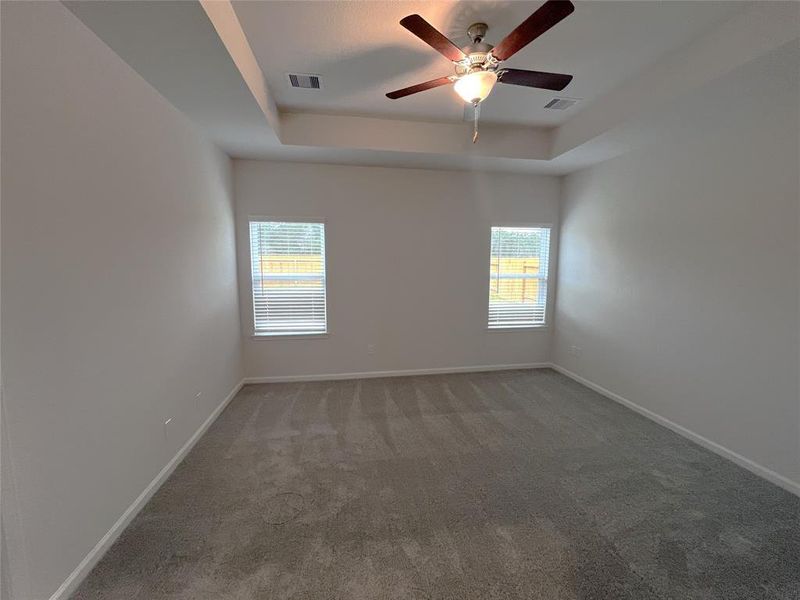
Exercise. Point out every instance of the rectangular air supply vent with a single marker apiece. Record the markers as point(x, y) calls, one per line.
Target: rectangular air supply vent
point(561, 103)
point(305, 81)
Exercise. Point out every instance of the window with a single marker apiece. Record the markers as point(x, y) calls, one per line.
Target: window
point(518, 276)
point(287, 263)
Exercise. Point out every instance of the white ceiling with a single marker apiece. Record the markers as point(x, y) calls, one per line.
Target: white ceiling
point(362, 52)
point(637, 64)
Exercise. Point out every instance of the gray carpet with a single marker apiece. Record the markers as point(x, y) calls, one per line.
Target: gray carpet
point(519, 484)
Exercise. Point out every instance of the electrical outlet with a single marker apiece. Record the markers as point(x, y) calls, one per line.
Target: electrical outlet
point(574, 350)
point(370, 348)
point(167, 428)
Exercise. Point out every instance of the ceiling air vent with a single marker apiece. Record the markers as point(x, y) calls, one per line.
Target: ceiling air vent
point(304, 81)
point(561, 103)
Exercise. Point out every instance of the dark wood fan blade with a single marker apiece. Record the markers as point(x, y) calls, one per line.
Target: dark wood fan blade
point(431, 36)
point(420, 87)
point(550, 13)
point(535, 79)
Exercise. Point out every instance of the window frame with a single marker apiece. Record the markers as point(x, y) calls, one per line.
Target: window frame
point(546, 322)
point(283, 335)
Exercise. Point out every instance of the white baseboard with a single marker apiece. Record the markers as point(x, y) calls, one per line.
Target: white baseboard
point(96, 553)
point(401, 373)
point(753, 467)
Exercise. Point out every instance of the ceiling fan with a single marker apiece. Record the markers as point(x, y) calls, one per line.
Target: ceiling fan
point(477, 66)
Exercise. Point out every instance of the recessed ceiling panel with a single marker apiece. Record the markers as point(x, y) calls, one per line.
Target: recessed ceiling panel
point(362, 52)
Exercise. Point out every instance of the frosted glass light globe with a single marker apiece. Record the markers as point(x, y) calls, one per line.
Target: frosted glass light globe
point(476, 86)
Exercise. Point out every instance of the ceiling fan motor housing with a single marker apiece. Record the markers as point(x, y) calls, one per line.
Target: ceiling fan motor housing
point(477, 57)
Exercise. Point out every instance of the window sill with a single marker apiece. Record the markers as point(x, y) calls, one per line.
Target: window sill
point(288, 336)
point(518, 328)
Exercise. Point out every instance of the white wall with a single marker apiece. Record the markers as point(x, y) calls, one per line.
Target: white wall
point(408, 264)
point(119, 287)
point(678, 275)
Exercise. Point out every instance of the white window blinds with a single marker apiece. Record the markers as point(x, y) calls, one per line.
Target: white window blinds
point(288, 272)
point(518, 276)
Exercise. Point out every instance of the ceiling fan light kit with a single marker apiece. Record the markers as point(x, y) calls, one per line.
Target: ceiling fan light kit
point(476, 86)
point(477, 66)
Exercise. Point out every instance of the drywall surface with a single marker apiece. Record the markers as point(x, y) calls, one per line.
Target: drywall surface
point(678, 273)
point(408, 265)
point(119, 287)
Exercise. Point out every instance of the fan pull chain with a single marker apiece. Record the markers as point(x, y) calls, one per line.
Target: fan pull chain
point(476, 113)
